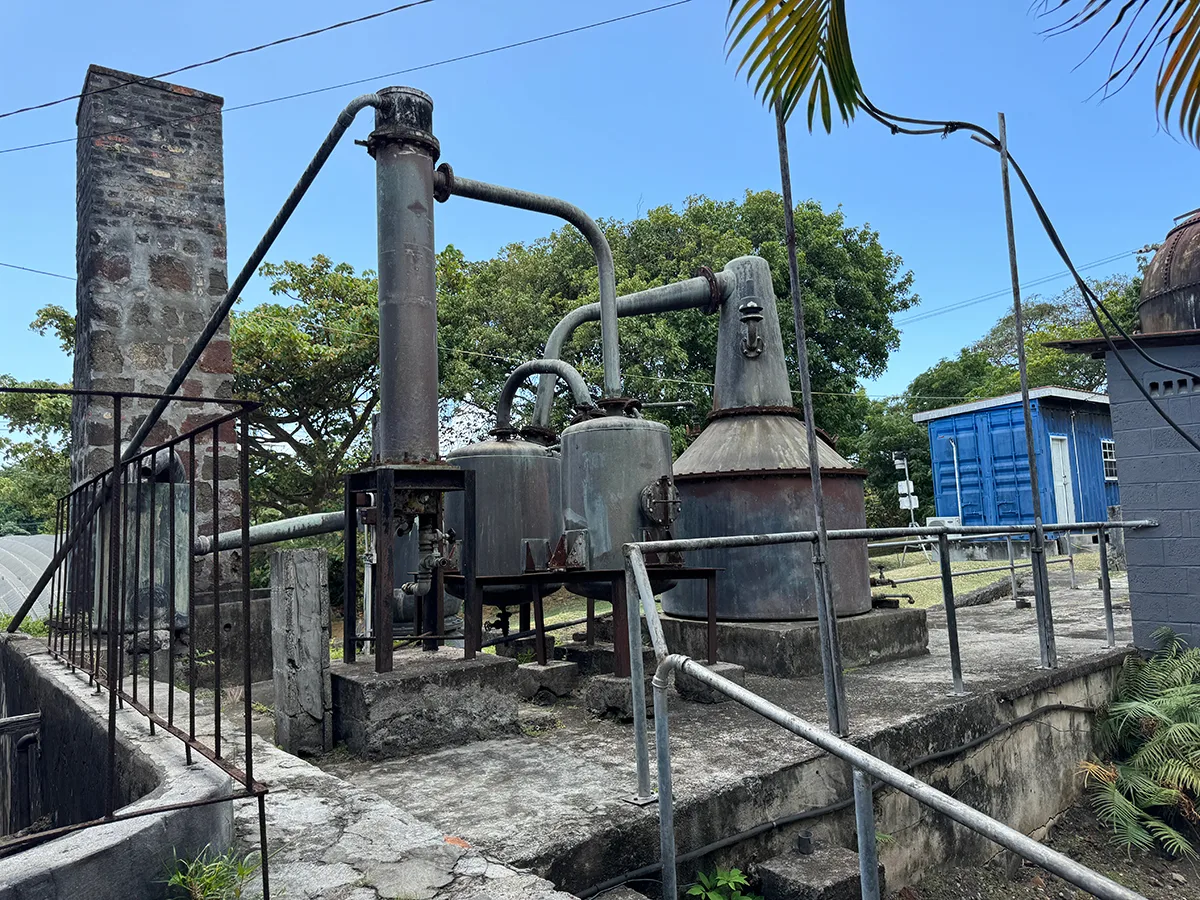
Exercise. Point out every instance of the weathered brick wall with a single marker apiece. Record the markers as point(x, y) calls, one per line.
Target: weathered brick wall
point(151, 265)
point(1159, 475)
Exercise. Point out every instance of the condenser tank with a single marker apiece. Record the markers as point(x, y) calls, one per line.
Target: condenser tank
point(616, 487)
point(517, 503)
point(748, 473)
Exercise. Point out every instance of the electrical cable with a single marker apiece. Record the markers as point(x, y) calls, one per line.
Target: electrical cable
point(985, 137)
point(357, 81)
point(817, 812)
point(217, 59)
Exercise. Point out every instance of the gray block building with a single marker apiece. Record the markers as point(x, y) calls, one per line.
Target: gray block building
point(1159, 471)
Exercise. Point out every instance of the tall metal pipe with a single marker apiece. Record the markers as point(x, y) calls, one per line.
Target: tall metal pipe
point(449, 183)
point(691, 294)
point(554, 367)
point(405, 151)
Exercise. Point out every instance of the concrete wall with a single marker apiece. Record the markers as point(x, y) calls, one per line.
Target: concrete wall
point(150, 255)
point(1160, 479)
point(124, 860)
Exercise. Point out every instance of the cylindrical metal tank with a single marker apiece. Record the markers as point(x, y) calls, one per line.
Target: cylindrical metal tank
point(517, 488)
point(749, 475)
point(1170, 298)
point(608, 464)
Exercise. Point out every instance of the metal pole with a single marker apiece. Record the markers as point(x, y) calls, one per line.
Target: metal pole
point(864, 819)
point(951, 612)
point(1012, 570)
point(831, 653)
point(115, 554)
point(405, 150)
point(1071, 562)
point(1051, 860)
point(1037, 548)
point(666, 800)
point(1106, 589)
point(637, 684)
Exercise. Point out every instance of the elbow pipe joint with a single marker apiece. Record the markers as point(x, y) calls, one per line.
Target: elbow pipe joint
point(447, 184)
point(579, 390)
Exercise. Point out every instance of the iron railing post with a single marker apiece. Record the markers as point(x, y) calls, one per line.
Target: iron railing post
point(1071, 562)
point(666, 800)
point(1012, 570)
point(864, 820)
point(951, 612)
point(1106, 589)
point(637, 685)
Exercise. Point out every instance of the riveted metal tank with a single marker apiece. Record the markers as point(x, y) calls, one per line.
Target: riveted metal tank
point(614, 469)
point(517, 485)
point(1170, 298)
point(748, 473)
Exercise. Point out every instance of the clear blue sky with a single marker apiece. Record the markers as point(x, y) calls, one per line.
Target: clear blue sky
point(617, 119)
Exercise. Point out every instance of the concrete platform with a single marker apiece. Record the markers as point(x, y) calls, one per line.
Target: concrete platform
point(429, 701)
point(792, 649)
point(554, 800)
point(828, 873)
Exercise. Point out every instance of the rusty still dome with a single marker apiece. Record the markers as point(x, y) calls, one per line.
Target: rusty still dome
point(1171, 288)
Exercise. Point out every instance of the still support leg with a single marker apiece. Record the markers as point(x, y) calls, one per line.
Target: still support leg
point(385, 532)
point(710, 598)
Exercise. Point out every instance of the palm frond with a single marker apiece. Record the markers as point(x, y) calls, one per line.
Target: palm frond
point(796, 48)
point(1138, 28)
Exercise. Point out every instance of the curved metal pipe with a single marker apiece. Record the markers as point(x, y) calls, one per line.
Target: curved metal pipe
point(691, 294)
point(554, 367)
point(505, 196)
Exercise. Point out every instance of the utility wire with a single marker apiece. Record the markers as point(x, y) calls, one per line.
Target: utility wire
point(217, 59)
point(357, 81)
point(983, 298)
point(1095, 304)
point(36, 271)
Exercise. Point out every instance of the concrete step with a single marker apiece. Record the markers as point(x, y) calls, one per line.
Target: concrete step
point(828, 873)
point(545, 684)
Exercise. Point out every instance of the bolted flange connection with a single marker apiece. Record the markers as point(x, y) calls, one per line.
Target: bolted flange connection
point(404, 117)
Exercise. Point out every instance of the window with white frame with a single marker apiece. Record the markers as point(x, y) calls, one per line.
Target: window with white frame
point(1108, 451)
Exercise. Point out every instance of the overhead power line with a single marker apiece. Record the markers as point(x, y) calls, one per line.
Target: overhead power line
point(1007, 292)
point(36, 271)
point(357, 81)
point(217, 59)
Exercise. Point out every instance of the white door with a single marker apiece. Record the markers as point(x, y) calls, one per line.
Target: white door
point(1060, 471)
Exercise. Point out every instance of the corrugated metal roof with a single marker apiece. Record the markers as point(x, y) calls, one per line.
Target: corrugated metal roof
point(23, 558)
point(759, 443)
point(1060, 393)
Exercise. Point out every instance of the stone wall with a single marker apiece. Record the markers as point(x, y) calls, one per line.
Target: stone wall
point(150, 256)
point(1160, 479)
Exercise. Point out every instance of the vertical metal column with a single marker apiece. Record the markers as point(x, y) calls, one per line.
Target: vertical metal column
point(405, 151)
point(115, 553)
point(666, 802)
point(385, 534)
point(1012, 570)
point(349, 576)
point(864, 819)
point(1106, 589)
point(831, 652)
point(951, 612)
point(1037, 547)
point(637, 680)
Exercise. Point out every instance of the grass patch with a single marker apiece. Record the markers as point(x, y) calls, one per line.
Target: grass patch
point(31, 626)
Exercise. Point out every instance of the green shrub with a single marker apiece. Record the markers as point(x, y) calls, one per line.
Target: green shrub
point(1148, 791)
point(723, 884)
point(31, 626)
point(212, 877)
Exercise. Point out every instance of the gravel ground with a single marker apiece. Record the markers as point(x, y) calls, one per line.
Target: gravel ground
point(1082, 838)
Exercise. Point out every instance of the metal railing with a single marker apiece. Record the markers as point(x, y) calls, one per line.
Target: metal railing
point(863, 763)
point(124, 598)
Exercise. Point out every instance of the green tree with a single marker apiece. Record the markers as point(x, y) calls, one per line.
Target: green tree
point(34, 464)
point(313, 363)
point(798, 51)
point(499, 311)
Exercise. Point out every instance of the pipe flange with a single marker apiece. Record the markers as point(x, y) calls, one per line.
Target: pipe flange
point(505, 434)
point(539, 434)
point(715, 300)
point(403, 134)
point(443, 183)
point(618, 406)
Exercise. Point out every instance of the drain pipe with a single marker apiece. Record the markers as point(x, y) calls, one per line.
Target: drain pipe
point(449, 184)
point(707, 290)
point(556, 367)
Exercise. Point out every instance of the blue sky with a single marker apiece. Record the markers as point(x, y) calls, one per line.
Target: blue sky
point(618, 119)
